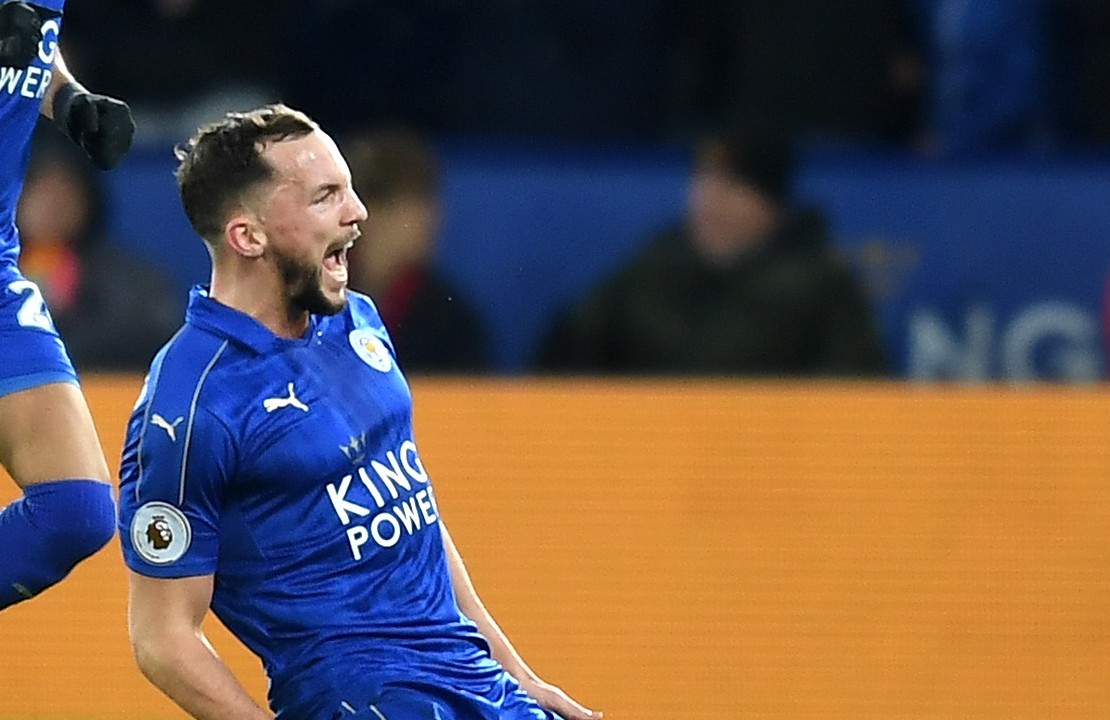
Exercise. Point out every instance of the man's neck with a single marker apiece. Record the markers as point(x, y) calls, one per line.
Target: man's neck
point(261, 301)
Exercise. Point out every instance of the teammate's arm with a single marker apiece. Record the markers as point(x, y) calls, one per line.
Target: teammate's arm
point(173, 653)
point(546, 694)
point(62, 76)
point(100, 125)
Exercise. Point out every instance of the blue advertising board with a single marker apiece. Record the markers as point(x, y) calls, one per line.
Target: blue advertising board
point(986, 270)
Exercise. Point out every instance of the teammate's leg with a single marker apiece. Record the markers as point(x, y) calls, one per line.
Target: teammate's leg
point(49, 445)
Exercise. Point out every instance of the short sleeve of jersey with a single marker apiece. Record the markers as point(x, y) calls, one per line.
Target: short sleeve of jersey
point(176, 462)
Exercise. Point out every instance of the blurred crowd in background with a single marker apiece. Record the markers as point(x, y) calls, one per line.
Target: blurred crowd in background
point(955, 75)
point(728, 109)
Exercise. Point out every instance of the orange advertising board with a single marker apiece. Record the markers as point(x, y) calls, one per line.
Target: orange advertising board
point(717, 550)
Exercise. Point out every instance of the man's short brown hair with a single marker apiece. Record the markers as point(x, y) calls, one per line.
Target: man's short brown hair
point(223, 161)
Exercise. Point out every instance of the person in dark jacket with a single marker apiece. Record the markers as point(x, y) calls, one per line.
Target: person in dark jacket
point(742, 287)
point(433, 326)
point(114, 309)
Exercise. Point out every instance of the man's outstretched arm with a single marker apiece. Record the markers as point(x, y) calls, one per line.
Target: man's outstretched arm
point(546, 694)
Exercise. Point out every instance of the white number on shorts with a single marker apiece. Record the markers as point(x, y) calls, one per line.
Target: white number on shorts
point(32, 313)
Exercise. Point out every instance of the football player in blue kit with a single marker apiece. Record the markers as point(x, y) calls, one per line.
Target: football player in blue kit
point(270, 472)
point(48, 443)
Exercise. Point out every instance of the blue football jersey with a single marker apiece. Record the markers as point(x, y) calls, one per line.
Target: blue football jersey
point(287, 467)
point(21, 93)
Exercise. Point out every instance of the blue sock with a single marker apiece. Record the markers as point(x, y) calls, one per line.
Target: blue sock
point(54, 526)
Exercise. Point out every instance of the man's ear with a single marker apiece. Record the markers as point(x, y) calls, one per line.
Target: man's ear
point(244, 235)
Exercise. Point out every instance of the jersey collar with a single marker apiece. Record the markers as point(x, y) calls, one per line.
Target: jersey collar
point(238, 327)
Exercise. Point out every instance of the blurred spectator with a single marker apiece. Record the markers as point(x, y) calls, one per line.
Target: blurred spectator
point(114, 310)
point(988, 77)
point(848, 69)
point(742, 287)
point(435, 330)
point(179, 63)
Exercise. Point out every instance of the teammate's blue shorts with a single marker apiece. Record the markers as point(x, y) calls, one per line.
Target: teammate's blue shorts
point(31, 352)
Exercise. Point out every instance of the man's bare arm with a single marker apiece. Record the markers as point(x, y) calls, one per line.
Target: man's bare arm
point(172, 652)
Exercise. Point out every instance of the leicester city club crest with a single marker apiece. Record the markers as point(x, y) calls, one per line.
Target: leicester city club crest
point(371, 349)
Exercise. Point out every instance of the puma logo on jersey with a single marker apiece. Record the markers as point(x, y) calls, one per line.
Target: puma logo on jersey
point(277, 403)
point(170, 428)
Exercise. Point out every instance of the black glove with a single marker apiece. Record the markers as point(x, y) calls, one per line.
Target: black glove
point(99, 125)
point(20, 33)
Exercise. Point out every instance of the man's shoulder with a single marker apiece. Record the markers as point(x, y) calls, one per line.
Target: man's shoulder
point(664, 260)
point(820, 265)
point(361, 317)
point(664, 246)
point(362, 311)
point(187, 364)
point(189, 351)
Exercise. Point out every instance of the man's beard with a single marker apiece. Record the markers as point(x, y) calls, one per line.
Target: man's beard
point(304, 290)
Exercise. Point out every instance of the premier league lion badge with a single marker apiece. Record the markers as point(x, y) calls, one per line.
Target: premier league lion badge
point(160, 533)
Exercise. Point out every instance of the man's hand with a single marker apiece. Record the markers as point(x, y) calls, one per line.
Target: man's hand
point(552, 698)
point(20, 33)
point(99, 125)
